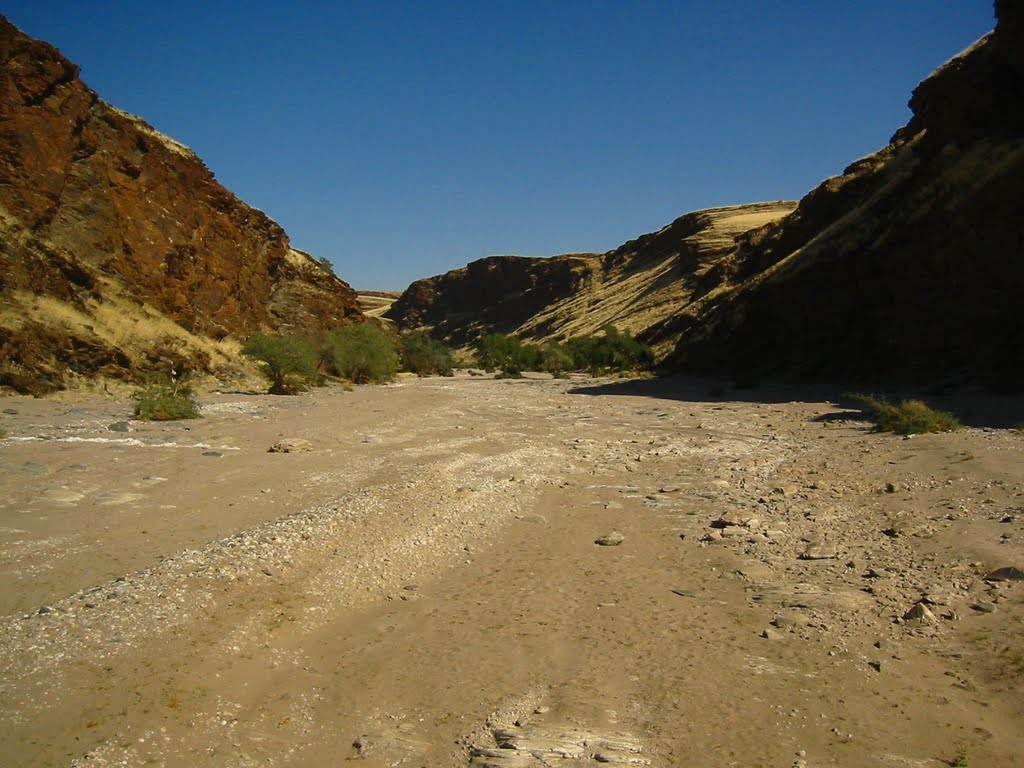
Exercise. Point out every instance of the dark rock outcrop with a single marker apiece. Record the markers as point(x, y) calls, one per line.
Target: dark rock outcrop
point(910, 265)
point(102, 217)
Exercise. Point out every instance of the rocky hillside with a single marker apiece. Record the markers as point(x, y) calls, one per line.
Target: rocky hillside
point(119, 251)
point(639, 286)
point(910, 265)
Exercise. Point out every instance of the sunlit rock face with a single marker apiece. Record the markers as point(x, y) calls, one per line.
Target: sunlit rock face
point(100, 211)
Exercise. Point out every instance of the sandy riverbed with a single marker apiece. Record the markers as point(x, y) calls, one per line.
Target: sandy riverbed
point(423, 587)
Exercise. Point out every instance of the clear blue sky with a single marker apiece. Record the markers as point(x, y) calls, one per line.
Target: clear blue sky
point(403, 139)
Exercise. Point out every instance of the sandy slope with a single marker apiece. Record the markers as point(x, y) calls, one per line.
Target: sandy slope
point(423, 588)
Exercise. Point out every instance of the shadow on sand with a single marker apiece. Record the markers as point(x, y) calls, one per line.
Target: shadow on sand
point(974, 407)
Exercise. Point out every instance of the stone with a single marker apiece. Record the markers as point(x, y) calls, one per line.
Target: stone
point(920, 613)
point(291, 445)
point(120, 426)
point(819, 552)
point(213, 454)
point(736, 518)
point(685, 592)
point(771, 634)
point(983, 606)
point(1006, 573)
point(610, 539)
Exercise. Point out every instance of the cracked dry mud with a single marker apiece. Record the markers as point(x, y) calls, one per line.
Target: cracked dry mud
point(423, 587)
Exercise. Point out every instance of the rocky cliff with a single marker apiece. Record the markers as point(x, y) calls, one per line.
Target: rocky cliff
point(119, 251)
point(638, 287)
point(908, 266)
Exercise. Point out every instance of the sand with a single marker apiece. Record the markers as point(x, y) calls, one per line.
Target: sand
point(422, 587)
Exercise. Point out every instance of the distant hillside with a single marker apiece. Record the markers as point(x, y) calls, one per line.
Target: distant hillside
point(119, 252)
point(638, 287)
point(376, 303)
point(910, 265)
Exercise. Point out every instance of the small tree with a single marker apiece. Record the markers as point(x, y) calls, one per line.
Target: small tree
point(289, 362)
point(425, 356)
point(362, 354)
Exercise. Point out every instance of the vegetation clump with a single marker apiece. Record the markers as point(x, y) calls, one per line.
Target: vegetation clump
point(610, 351)
point(363, 354)
point(165, 399)
point(425, 356)
point(908, 417)
point(289, 362)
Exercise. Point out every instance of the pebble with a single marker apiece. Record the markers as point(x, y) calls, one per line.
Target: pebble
point(610, 539)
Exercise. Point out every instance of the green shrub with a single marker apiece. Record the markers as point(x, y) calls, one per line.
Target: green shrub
point(289, 362)
point(164, 399)
point(556, 359)
point(425, 356)
point(363, 354)
point(908, 417)
point(612, 350)
point(500, 351)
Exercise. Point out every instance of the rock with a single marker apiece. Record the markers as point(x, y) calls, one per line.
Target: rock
point(736, 518)
point(1006, 573)
point(291, 445)
point(920, 613)
point(875, 665)
point(790, 621)
point(685, 592)
point(120, 426)
point(819, 552)
point(610, 539)
point(771, 634)
point(44, 610)
point(10, 411)
point(983, 606)
point(213, 454)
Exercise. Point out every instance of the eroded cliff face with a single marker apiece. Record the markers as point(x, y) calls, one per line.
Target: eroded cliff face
point(638, 287)
point(910, 265)
point(118, 240)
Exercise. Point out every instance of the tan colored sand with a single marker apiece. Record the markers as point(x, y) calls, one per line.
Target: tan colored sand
point(426, 578)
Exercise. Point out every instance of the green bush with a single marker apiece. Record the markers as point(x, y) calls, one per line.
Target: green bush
point(612, 350)
point(164, 399)
point(556, 359)
point(363, 354)
point(908, 417)
point(425, 356)
point(289, 362)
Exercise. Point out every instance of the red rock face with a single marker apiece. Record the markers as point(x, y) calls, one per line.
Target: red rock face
point(90, 192)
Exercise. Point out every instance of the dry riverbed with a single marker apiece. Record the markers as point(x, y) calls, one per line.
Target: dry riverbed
point(423, 586)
